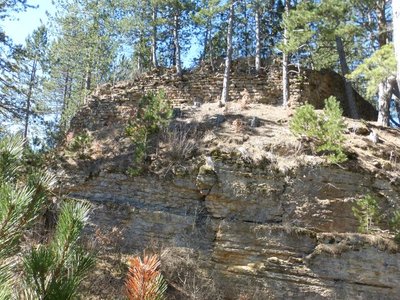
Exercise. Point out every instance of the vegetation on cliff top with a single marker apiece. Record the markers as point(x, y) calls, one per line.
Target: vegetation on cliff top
point(324, 130)
point(86, 43)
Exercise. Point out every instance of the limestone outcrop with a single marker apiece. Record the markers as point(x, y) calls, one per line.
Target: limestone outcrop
point(269, 220)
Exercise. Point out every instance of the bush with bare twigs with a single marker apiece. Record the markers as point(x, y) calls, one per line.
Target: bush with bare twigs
point(183, 274)
point(181, 142)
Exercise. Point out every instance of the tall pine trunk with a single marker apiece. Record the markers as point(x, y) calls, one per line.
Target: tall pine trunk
point(397, 107)
point(88, 84)
point(154, 38)
point(385, 95)
point(178, 64)
point(345, 70)
point(65, 91)
point(211, 50)
point(205, 42)
point(140, 54)
point(258, 40)
point(29, 99)
point(382, 22)
point(228, 60)
point(385, 88)
point(285, 63)
point(396, 35)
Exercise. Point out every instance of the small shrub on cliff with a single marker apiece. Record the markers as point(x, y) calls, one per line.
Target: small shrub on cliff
point(325, 130)
point(395, 225)
point(305, 121)
point(80, 144)
point(152, 114)
point(366, 212)
point(144, 280)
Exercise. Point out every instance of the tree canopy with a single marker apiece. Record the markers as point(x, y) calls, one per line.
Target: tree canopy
point(89, 42)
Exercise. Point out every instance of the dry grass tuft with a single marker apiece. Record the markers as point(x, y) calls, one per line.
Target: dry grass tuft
point(181, 141)
point(182, 271)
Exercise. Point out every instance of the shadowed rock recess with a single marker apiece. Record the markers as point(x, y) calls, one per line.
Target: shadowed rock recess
point(269, 220)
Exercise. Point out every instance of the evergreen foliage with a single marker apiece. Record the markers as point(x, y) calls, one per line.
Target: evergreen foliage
point(395, 225)
point(366, 211)
point(376, 69)
point(325, 130)
point(11, 106)
point(305, 121)
point(313, 27)
point(144, 280)
point(55, 271)
point(153, 113)
point(80, 144)
point(82, 55)
point(22, 198)
point(91, 42)
point(52, 271)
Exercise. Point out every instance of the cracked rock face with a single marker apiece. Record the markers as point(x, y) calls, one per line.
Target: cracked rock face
point(261, 219)
point(253, 235)
point(206, 179)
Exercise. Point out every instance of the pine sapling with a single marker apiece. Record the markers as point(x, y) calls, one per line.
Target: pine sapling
point(144, 280)
point(366, 212)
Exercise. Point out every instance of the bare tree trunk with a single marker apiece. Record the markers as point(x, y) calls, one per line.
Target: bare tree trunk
point(140, 55)
point(139, 65)
point(285, 63)
point(211, 50)
point(228, 60)
point(345, 70)
point(205, 42)
point(385, 89)
point(246, 29)
point(385, 96)
point(88, 82)
point(258, 40)
point(173, 56)
point(71, 79)
point(397, 107)
point(29, 99)
point(65, 92)
point(178, 65)
point(396, 35)
point(382, 22)
point(154, 39)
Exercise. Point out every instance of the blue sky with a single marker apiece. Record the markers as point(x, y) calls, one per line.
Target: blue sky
point(24, 23)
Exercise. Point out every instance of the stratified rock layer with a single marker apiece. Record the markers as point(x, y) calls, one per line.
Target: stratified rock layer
point(267, 221)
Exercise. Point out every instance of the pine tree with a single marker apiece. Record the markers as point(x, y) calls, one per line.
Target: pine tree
point(52, 271)
point(35, 60)
point(22, 199)
point(206, 20)
point(396, 35)
point(83, 54)
point(285, 61)
point(55, 270)
point(10, 105)
point(178, 16)
point(366, 212)
point(228, 59)
point(325, 28)
point(144, 280)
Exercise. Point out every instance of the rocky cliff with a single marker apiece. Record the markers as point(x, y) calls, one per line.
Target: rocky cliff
point(267, 220)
